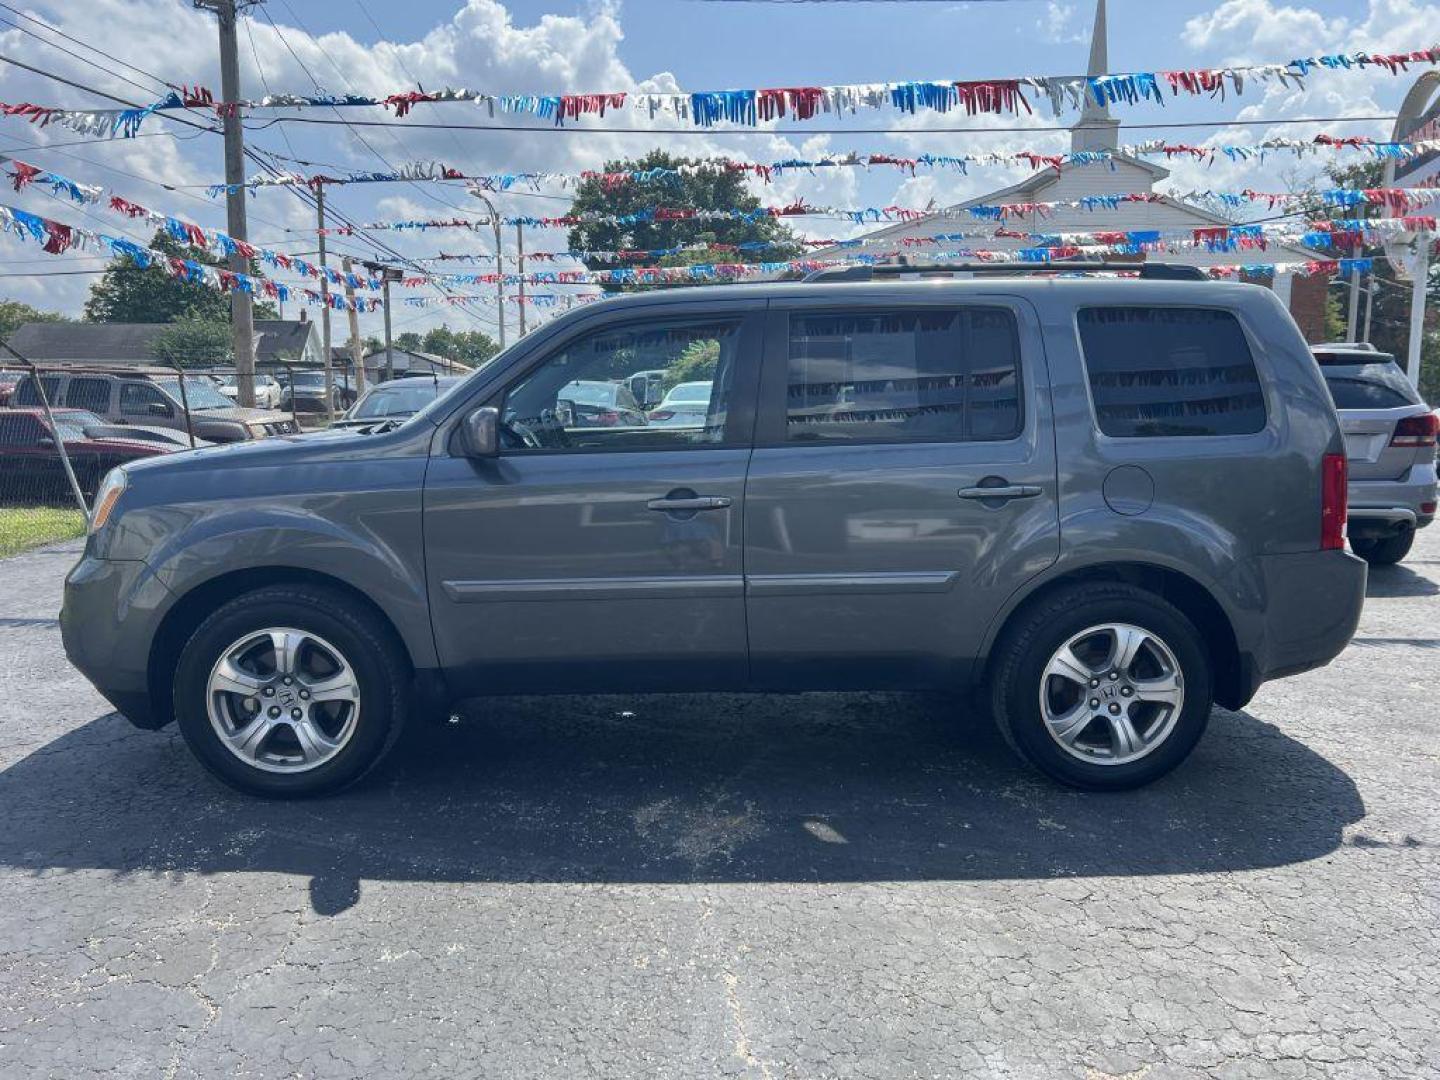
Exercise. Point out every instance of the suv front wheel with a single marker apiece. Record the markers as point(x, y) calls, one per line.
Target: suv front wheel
point(291, 691)
point(1103, 686)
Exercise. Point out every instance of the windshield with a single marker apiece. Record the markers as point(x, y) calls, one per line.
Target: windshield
point(399, 400)
point(200, 393)
point(310, 378)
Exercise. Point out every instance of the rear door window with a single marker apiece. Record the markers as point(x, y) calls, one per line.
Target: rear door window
point(89, 393)
point(927, 375)
point(1170, 371)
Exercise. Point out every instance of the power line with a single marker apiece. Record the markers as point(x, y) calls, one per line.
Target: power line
point(86, 45)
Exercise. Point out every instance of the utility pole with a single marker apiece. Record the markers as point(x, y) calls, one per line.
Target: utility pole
point(499, 265)
point(325, 306)
point(520, 260)
point(357, 351)
point(242, 315)
point(1351, 319)
point(387, 274)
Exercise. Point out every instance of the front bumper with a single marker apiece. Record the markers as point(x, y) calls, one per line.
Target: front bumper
point(1380, 508)
point(111, 611)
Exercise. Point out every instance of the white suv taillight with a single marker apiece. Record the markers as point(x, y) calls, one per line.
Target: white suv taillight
point(1417, 431)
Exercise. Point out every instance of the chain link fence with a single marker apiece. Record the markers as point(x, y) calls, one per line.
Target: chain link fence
point(64, 426)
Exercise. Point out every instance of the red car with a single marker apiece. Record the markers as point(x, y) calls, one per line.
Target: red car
point(30, 468)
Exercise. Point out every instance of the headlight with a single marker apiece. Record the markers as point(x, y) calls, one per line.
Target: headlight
point(111, 488)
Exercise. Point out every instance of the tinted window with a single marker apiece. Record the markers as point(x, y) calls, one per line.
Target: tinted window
point(26, 394)
point(1344, 358)
point(1360, 394)
point(580, 399)
point(136, 399)
point(924, 375)
point(87, 393)
point(20, 429)
point(1170, 371)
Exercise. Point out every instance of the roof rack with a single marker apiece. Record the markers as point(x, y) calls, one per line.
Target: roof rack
point(1148, 271)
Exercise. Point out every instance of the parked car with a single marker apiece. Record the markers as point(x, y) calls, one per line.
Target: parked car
point(687, 404)
point(30, 465)
point(1390, 439)
point(153, 397)
point(8, 379)
point(648, 387)
point(595, 403)
point(267, 390)
point(393, 401)
point(1106, 502)
point(305, 392)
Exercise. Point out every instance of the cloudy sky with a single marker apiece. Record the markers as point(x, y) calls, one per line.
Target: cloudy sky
point(576, 46)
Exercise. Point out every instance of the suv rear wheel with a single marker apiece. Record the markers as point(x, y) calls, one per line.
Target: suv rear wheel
point(1102, 686)
point(291, 691)
point(1383, 550)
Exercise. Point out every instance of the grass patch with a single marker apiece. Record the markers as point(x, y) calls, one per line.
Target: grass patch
point(24, 527)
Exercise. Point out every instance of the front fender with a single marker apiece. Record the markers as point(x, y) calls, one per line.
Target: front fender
point(367, 535)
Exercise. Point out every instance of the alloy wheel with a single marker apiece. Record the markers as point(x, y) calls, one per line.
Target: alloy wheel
point(283, 700)
point(1111, 694)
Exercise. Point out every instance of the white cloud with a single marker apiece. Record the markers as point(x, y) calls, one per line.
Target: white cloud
point(1058, 24)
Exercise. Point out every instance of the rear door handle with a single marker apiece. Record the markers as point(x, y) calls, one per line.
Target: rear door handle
point(1005, 491)
point(689, 504)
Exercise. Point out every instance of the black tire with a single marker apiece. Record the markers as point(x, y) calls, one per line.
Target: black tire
point(368, 645)
point(1384, 550)
point(1038, 631)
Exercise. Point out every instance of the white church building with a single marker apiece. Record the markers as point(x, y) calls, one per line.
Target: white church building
point(1098, 130)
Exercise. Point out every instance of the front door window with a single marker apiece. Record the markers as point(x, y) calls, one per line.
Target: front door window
point(582, 398)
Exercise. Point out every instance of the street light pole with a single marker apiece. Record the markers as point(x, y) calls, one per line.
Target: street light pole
point(242, 315)
point(499, 264)
point(387, 274)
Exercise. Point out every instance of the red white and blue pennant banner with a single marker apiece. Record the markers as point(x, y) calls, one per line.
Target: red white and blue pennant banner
point(751, 107)
point(766, 172)
point(56, 238)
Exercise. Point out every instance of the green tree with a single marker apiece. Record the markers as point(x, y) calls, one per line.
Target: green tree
point(470, 347)
point(696, 363)
point(194, 341)
point(697, 191)
point(15, 313)
point(128, 294)
point(409, 341)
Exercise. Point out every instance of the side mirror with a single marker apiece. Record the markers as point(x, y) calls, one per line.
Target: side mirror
point(480, 433)
point(159, 408)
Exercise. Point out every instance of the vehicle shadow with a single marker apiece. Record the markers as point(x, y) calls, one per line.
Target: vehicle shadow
point(1397, 581)
point(716, 788)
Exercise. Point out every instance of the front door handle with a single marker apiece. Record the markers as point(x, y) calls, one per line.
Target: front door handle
point(1000, 491)
point(688, 504)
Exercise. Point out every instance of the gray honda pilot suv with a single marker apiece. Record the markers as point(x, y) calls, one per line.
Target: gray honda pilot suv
point(1107, 502)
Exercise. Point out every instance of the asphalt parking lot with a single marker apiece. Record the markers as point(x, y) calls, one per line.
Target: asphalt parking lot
point(816, 886)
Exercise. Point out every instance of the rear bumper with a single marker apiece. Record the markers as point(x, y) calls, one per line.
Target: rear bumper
point(107, 623)
point(1312, 606)
point(1381, 508)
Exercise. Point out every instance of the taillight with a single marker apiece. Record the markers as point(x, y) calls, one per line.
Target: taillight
point(1418, 431)
point(1334, 476)
point(662, 414)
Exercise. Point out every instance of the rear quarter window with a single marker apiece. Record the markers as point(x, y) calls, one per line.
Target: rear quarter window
point(1170, 371)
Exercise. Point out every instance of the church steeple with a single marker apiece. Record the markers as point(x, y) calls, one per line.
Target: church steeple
point(1096, 129)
